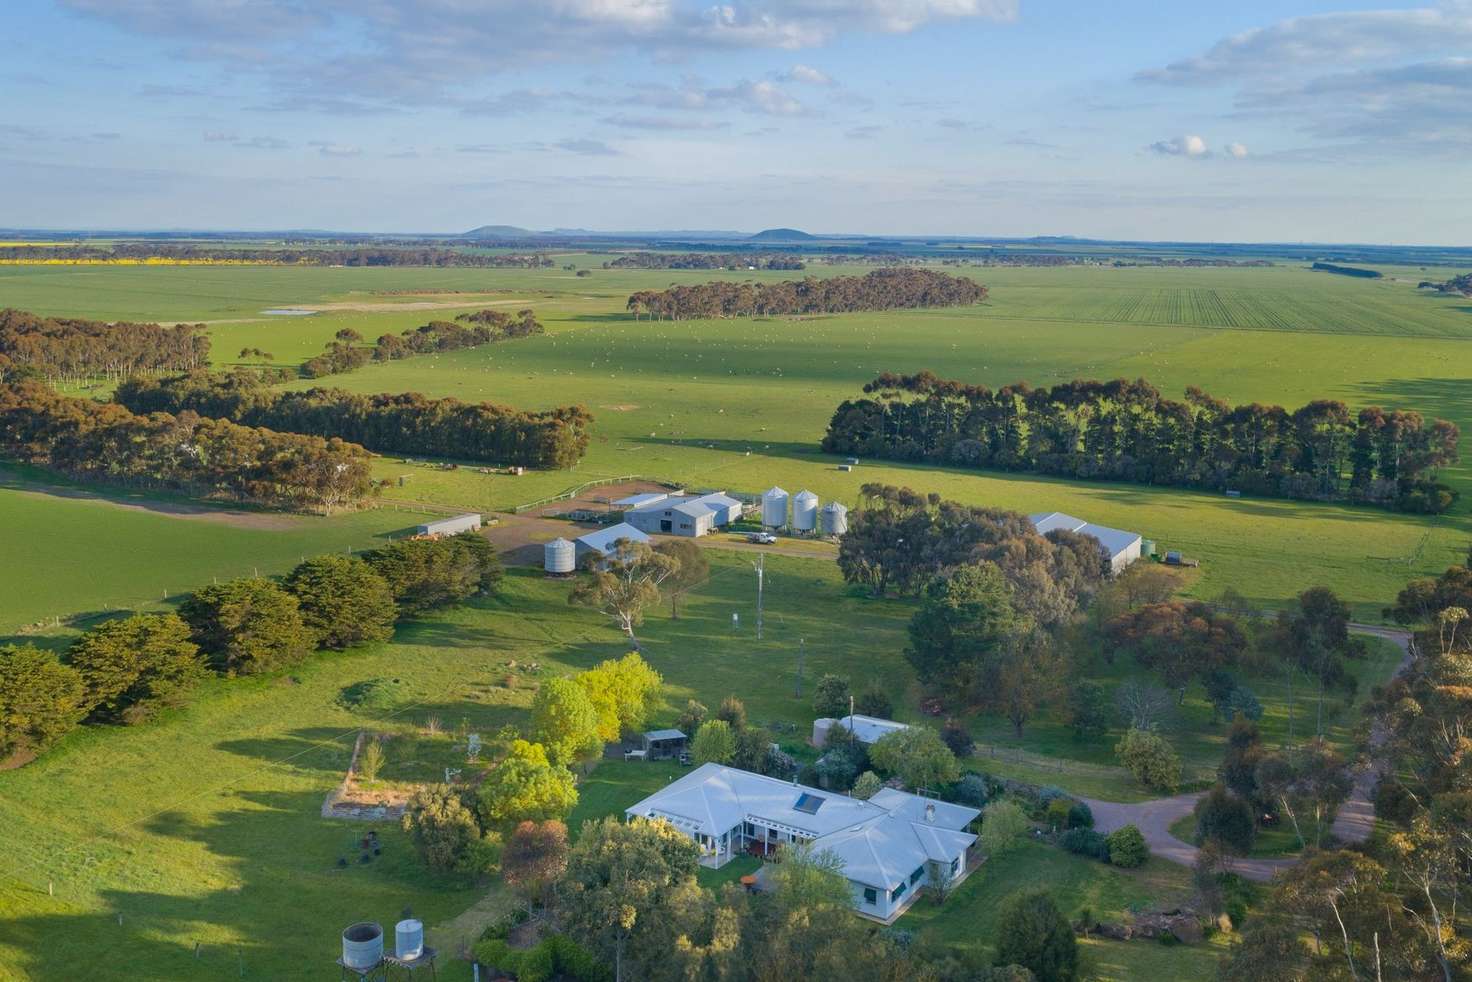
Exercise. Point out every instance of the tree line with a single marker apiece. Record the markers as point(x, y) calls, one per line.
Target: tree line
point(1459, 285)
point(345, 353)
point(71, 348)
point(186, 451)
point(385, 423)
point(706, 260)
point(127, 669)
point(1127, 431)
point(317, 256)
point(880, 289)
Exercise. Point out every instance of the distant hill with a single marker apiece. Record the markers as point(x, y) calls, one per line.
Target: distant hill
point(783, 235)
point(499, 232)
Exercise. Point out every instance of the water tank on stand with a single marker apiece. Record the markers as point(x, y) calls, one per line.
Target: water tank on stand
point(559, 557)
point(774, 508)
point(805, 511)
point(409, 939)
point(362, 945)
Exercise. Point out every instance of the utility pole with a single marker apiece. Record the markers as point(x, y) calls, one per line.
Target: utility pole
point(760, 578)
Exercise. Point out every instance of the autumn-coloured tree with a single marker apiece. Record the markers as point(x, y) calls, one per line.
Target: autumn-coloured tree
point(534, 858)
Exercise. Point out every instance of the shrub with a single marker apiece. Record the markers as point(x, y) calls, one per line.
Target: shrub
point(714, 743)
point(971, 790)
point(733, 711)
point(370, 761)
point(1050, 793)
point(1086, 842)
point(691, 717)
point(375, 695)
point(1127, 848)
point(867, 786)
point(838, 768)
point(958, 738)
point(1057, 814)
point(1227, 819)
point(1150, 759)
point(917, 756)
point(830, 699)
point(443, 827)
point(1080, 816)
point(1031, 932)
point(875, 701)
point(1003, 825)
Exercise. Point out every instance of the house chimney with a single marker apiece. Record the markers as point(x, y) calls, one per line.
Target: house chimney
point(930, 812)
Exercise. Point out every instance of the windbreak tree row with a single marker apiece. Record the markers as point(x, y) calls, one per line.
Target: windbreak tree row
point(385, 423)
point(69, 348)
point(344, 353)
point(706, 260)
point(1127, 431)
point(881, 289)
point(185, 452)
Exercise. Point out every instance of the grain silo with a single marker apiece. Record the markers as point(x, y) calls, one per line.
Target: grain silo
point(834, 519)
point(774, 508)
point(559, 557)
point(805, 511)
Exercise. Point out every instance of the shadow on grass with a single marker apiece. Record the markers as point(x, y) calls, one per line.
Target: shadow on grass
point(280, 918)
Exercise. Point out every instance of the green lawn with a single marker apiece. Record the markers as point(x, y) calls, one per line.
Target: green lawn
point(1268, 844)
point(968, 917)
point(69, 550)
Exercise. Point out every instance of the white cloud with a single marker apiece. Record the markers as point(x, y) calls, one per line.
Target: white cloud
point(635, 122)
point(1189, 145)
point(806, 74)
point(247, 143)
point(764, 97)
point(411, 51)
point(1337, 39)
point(1236, 150)
point(586, 147)
point(329, 149)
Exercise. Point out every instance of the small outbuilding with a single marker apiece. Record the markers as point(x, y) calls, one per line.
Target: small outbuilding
point(664, 744)
point(601, 541)
point(1119, 548)
point(866, 729)
point(449, 526)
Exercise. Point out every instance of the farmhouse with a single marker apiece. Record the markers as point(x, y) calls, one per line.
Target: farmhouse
point(603, 539)
point(449, 526)
point(682, 514)
point(866, 729)
point(891, 846)
point(1119, 548)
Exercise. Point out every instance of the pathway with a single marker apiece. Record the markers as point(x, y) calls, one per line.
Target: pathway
point(1354, 822)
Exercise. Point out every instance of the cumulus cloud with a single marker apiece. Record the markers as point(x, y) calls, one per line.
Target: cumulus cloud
point(806, 74)
point(1189, 145)
point(1236, 150)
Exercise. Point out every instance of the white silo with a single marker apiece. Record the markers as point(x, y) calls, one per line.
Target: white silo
point(834, 519)
point(774, 508)
point(805, 511)
point(559, 557)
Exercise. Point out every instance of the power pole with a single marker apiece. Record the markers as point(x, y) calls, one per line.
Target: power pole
point(760, 579)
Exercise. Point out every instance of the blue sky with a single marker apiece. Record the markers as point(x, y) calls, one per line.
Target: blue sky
point(1248, 121)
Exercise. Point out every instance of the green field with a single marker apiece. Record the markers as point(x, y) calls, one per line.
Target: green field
point(204, 826)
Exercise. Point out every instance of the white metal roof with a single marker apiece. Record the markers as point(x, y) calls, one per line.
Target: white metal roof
point(1114, 541)
point(880, 841)
point(693, 508)
point(869, 729)
point(603, 539)
point(665, 735)
point(640, 500)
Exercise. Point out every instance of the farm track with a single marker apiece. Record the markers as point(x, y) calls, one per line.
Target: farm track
point(1353, 823)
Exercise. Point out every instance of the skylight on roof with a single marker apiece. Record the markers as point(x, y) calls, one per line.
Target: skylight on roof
point(808, 804)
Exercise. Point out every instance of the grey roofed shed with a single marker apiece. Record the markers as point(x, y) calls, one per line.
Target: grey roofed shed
point(660, 744)
point(602, 540)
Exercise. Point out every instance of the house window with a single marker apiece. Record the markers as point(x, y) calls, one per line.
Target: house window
point(955, 866)
point(750, 830)
point(898, 892)
point(915, 876)
point(871, 896)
